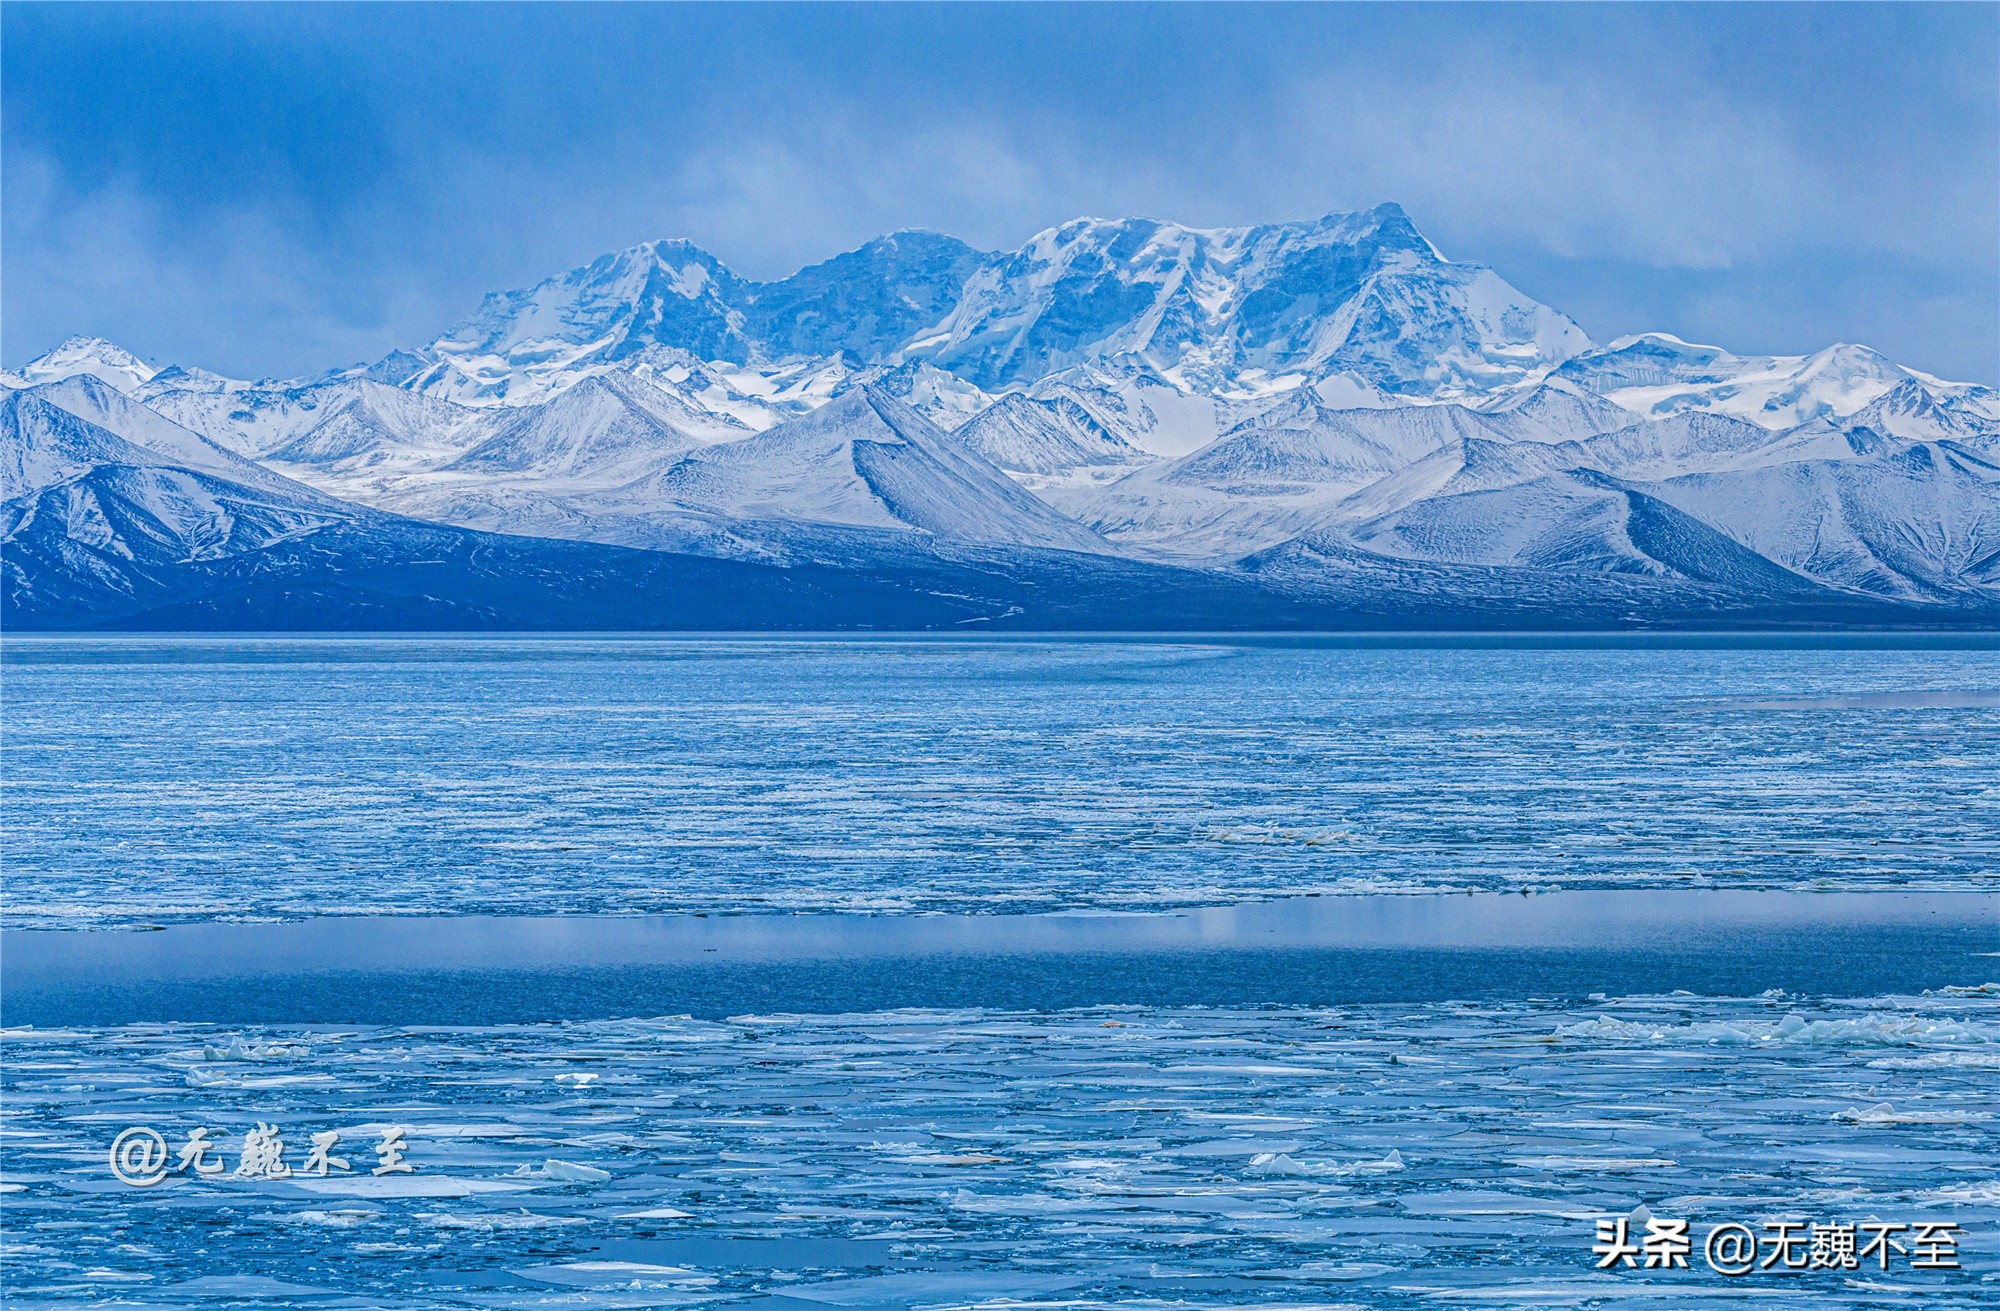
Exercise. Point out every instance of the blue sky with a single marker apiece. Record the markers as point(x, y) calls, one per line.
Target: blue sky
point(274, 189)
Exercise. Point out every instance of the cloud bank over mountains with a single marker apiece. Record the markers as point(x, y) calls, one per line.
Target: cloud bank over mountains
point(290, 187)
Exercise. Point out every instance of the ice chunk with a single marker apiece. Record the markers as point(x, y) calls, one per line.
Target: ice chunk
point(1884, 1113)
point(341, 1218)
point(499, 1221)
point(563, 1172)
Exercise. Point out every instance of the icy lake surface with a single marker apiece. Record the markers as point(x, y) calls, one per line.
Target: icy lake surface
point(1438, 1155)
point(1333, 1102)
point(173, 780)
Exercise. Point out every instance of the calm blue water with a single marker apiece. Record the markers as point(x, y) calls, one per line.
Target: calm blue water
point(176, 780)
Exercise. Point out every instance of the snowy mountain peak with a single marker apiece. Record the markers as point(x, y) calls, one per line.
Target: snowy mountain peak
point(524, 346)
point(1364, 292)
point(81, 355)
point(1387, 228)
point(1914, 412)
point(1654, 374)
point(1114, 387)
point(182, 377)
point(136, 427)
point(944, 398)
point(1666, 341)
point(609, 427)
point(397, 367)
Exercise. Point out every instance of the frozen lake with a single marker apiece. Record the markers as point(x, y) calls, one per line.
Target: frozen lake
point(189, 779)
point(1394, 1155)
point(1194, 976)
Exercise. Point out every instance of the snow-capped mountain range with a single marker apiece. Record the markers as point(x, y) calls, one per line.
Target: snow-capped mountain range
point(1320, 408)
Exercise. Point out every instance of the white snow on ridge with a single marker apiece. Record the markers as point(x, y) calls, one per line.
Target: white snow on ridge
point(1654, 374)
point(1207, 305)
point(608, 424)
point(120, 431)
point(864, 461)
point(1199, 395)
point(91, 357)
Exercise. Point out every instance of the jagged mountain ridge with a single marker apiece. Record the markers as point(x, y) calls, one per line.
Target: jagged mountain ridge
point(1190, 397)
point(1365, 292)
point(100, 531)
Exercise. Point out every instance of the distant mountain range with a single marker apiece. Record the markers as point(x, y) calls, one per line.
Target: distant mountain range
point(1124, 424)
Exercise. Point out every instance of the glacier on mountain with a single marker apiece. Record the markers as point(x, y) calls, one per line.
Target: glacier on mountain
point(1331, 408)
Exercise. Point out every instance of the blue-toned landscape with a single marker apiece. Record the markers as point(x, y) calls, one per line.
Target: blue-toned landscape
point(999, 657)
point(279, 777)
point(1115, 973)
point(1126, 425)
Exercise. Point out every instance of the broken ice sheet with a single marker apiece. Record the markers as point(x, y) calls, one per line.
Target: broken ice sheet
point(1418, 1155)
point(874, 776)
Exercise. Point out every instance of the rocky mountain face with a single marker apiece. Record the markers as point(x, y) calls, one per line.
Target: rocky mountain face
point(1331, 409)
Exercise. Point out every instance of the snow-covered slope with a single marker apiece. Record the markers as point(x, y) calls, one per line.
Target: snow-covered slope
point(1694, 496)
point(1914, 521)
point(1571, 522)
point(38, 446)
point(114, 516)
point(42, 444)
point(364, 424)
point(506, 469)
point(351, 420)
point(1695, 441)
point(1051, 438)
point(1655, 374)
point(863, 461)
point(86, 513)
point(1303, 397)
point(97, 531)
point(1129, 400)
point(758, 398)
point(1914, 412)
point(1272, 477)
point(945, 399)
point(1859, 513)
point(1553, 413)
point(610, 427)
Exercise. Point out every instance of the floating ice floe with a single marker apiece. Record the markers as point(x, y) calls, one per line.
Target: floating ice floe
point(496, 1221)
point(563, 1172)
point(1794, 1029)
point(1609, 1163)
point(1145, 1162)
point(1884, 1113)
point(1169, 797)
point(1277, 1163)
point(345, 1218)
